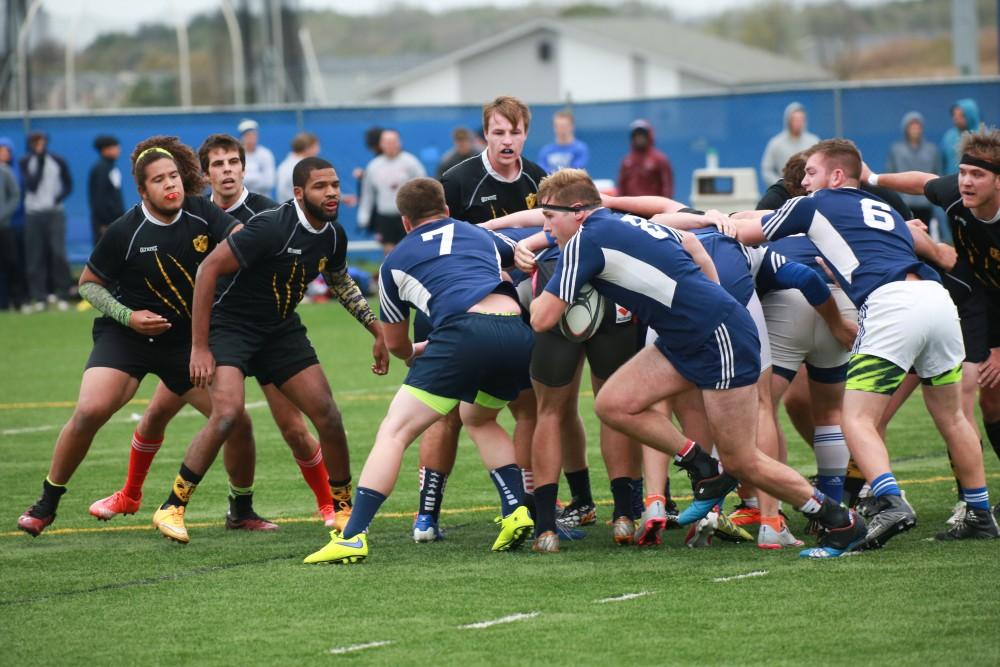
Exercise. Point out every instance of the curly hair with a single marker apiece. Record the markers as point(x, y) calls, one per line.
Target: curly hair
point(162, 147)
point(794, 172)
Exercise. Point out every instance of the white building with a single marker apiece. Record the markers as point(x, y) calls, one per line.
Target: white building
point(590, 60)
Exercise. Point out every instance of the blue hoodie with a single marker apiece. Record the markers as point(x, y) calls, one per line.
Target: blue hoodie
point(949, 142)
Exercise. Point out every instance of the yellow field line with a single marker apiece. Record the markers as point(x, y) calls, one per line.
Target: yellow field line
point(385, 515)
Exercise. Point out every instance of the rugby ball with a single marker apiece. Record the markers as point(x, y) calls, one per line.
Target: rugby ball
point(583, 316)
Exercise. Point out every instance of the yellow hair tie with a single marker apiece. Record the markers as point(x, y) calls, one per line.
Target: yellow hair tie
point(154, 149)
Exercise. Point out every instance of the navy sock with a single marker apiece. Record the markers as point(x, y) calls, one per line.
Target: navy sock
point(510, 486)
point(638, 506)
point(579, 486)
point(545, 507)
point(431, 491)
point(366, 504)
point(621, 491)
point(978, 498)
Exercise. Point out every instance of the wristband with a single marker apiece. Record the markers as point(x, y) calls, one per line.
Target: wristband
point(873, 178)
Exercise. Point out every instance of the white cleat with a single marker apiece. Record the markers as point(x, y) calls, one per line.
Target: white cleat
point(768, 538)
point(700, 533)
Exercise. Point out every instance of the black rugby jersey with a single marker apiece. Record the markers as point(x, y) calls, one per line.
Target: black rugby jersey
point(976, 241)
point(279, 253)
point(250, 204)
point(150, 265)
point(476, 193)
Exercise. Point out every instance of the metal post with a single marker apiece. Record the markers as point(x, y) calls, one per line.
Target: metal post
point(22, 55)
point(964, 37)
point(278, 50)
point(236, 46)
point(183, 62)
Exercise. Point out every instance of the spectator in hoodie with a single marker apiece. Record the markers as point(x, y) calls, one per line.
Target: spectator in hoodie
point(912, 153)
point(566, 151)
point(645, 170)
point(791, 140)
point(383, 177)
point(104, 186)
point(47, 182)
point(964, 118)
point(10, 199)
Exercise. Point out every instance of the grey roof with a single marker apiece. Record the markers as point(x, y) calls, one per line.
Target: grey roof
point(726, 63)
point(716, 59)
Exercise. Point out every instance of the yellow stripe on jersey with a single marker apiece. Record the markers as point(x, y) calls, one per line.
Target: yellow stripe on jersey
point(162, 298)
point(183, 270)
point(170, 284)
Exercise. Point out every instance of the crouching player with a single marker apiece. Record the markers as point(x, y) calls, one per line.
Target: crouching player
point(476, 357)
point(706, 340)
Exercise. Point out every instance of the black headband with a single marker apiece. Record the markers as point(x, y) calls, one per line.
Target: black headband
point(569, 209)
point(977, 162)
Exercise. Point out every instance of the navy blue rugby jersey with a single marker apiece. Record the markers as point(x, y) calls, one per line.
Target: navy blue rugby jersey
point(442, 268)
point(861, 238)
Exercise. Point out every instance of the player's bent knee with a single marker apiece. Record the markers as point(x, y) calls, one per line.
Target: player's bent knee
point(88, 417)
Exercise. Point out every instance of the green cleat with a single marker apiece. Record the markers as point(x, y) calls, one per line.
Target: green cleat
point(515, 528)
point(341, 550)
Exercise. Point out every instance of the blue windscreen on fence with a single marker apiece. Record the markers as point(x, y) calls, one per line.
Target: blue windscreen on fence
point(737, 126)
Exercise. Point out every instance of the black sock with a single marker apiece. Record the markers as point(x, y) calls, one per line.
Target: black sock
point(545, 507)
point(993, 433)
point(240, 502)
point(579, 486)
point(530, 502)
point(49, 502)
point(666, 489)
point(830, 514)
point(638, 504)
point(184, 485)
point(431, 491)
point(621, 491)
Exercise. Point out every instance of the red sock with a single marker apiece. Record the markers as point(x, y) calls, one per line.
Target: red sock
point(140, 457)
point(314, 472)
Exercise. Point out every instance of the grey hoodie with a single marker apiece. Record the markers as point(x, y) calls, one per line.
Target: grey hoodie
point(10, 195)
point(783, 146)
point(903, 156)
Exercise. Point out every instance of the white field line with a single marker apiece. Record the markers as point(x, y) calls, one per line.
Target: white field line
point(755, 573)
point(131, 418)
point(498, 621)
point(623, 597)
point(341, 650)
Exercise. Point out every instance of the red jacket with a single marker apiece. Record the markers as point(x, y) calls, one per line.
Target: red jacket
point(646, 172)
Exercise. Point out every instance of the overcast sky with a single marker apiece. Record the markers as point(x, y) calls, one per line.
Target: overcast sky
point(87, 18)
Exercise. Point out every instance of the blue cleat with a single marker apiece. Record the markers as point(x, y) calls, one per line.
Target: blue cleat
point(425, 529)
point(572, 534)
point(697, 510)
point(840, 541)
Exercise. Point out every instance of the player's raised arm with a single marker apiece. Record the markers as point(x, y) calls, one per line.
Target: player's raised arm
point(645, 205)
point(350, 297)
point(531, 217)
point(907, 182)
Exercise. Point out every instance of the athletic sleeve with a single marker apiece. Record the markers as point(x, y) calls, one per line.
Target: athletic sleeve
point(505, 247)
point(259, 238)
point(579, 262)
point(778, 273)
point(110, 255)
point(943, 191)
point(391, 308)
point(794, 217)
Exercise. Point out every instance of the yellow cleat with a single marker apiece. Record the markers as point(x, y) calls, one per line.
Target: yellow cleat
point(515, 528)
point(340, 518)
point(170, 523)
point(341, 550)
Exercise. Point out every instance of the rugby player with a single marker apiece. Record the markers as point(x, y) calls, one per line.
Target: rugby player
point(494, 183)
point(222, 159)
point(971, 200)
point(252, 328)
point(476, 359)
point(140, 277)
point(906, 319)
point(706, 340)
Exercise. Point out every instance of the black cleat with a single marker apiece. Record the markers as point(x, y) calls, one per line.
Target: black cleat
point(975, 524)
point(892, 516)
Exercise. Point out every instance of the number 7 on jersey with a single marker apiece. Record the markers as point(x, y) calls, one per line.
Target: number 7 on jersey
point(447, 233)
